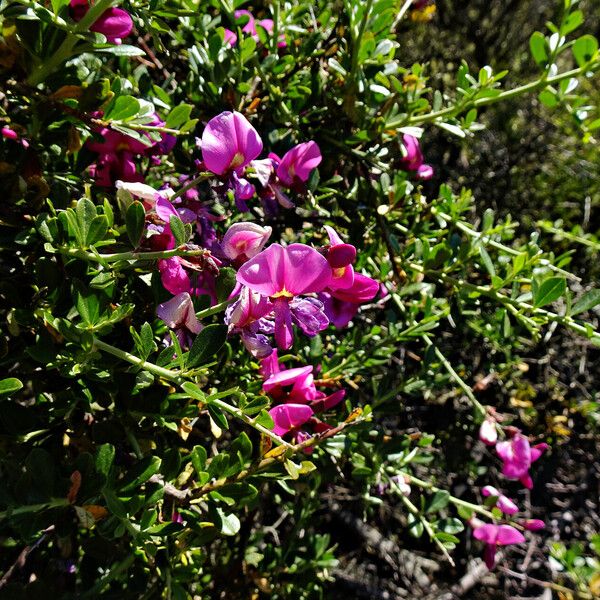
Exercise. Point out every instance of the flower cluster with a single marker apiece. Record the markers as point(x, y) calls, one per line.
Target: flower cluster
point(298, 399)
point(517, 456)
point(297, 285)
point(117, 153)
point(230, 149)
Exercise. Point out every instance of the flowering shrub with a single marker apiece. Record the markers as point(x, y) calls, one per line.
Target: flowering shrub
point(229, 271)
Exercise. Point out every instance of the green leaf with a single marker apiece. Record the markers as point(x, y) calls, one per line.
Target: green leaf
point(216, 414)
point(178, 116)
point(9, 386)
point(207, 343)
point(451, 525)
point(584, 49)
point(123, 108)
point(198, 456)
point(86, 213)
point(538, 47)
point(548, 291)
point(88, 306)
point(230, 524)
point(548, 98)
point(590, 299)
point(438, 501)
point(572, 22)
point(140, 473)
point(225, 283)
point(105, 456)
point(135, 219)
point(97, 230)
point(415, 526)
point(178, 230)
point(121, 50)
point(265, 419)
point(194, 391)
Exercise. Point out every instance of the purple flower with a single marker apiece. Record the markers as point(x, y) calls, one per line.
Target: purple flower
point(496, 535)
point(229, 143)
point(283, 274)
point(298, 163)
point(517, 455)
point(413, 159)
point(114, 23)
point(532, 524)
point(505, 504)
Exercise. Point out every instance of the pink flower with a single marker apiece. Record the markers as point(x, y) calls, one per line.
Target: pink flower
point(287, 417)
point(242, 241)
point(116, 153)
point(518, 455)
point(178, 314)
point(298, 163)
point(9, 134)
point(496, 535)
point(229, 37)
point(532, 524)
point(229, 143)
point(488, 433)
point(284, 274)
point(114, 23)
point(250, 26)
point(413, 160)
point(505, 504)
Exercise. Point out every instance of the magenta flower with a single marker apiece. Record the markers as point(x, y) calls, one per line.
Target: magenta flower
point(518, 455)
point(413, 160)
point(9, 134)
point(229, 143)
point(178, 314)
point(114, 23)
point(532, 524)
point(283, 275)
point(496, 535)
point(505, 504)
point(298, 163)
point(488, 432)
point(250, 26)
point(242, 241)
point(287, 417)
point(229, 37)
point(116, 154)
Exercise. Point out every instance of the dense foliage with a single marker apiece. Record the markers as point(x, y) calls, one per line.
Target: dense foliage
point(247, 300)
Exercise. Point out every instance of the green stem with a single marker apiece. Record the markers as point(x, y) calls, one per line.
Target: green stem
point(453, 111)
point(358, 40)
point(177, 378)
point(190, 184)
point(457, 378)
point(426, 524)
point(130, 255)
point(467, 229)
point(217, 308)
point(453, 499)
point(135, 360)
point(569, 236)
